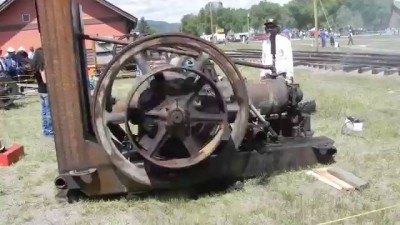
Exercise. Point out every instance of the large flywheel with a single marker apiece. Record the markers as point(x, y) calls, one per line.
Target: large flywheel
point(174, 116)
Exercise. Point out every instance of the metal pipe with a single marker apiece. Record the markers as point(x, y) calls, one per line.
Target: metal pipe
point(121, 42)
point(60, 183)
point(255, 65)
point(255, 112)
point(94, 38)
point(176, 51)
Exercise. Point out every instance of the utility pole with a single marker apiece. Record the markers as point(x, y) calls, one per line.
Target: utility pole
point(248, 24)
point(316, 25)
point(211, 18)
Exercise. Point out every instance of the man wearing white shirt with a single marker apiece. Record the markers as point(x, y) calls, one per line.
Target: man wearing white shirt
point(284, 53)
point(31, 52)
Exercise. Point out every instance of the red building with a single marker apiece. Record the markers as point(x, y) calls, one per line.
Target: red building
point(18, 22)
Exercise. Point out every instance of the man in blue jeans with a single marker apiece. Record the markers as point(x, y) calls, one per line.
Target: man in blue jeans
point(39, 72)
point(47, 123)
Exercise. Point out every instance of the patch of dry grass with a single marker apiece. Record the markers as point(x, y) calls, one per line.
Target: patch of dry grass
point(27, 192)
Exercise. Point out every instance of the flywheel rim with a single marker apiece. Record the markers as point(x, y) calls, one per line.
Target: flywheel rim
point(106, 80)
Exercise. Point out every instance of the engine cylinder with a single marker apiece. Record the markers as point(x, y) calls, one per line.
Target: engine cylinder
point(271, 96)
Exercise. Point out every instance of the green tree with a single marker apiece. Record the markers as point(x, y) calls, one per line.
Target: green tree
point(371, 14)
point(262, 11)
point(239, 22)
point(151, 30)
point(375, 14)
point(302, 12)
point(143, 26)
point(287, 20)
point(344, 17)
point(190, 24)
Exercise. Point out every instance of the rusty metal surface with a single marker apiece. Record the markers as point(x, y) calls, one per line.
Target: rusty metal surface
point(103, 89)
point(108, 40)
point(173, 118)
point(270, 95)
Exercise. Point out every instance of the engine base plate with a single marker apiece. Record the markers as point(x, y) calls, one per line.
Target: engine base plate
point(289, 154)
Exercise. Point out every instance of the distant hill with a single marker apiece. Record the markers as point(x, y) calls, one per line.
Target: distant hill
point(162, 26)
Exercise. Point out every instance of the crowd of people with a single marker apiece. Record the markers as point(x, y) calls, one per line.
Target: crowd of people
point(329, 34)
point(15, 62)
point(21, 62)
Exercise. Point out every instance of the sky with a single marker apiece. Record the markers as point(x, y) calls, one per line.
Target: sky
point(173, 10)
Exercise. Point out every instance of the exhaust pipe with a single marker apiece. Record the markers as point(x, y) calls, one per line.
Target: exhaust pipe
point(60, 183)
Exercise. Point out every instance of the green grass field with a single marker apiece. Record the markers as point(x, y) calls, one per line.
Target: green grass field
point(27, 194)
point(378, 44)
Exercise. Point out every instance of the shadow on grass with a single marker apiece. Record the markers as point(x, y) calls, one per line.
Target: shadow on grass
point(14, 106)
point(213, 188)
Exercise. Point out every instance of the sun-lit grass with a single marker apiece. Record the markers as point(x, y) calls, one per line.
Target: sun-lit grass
point(27, 195)
point(376, 44)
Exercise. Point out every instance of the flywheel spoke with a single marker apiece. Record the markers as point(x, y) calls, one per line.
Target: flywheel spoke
point(156, 114)
point(141, 61)
point(196, 88)
point(115, 118)
point(153, 145)
point(191, 145)
point(205, 117)
point(200, 61)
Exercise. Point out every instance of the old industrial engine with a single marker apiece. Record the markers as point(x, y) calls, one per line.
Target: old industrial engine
point(182, 126)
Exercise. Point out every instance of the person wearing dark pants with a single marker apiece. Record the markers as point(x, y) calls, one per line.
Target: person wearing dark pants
point(332, 37)
point(351, 41)
point(39, 72)
point(323, 38)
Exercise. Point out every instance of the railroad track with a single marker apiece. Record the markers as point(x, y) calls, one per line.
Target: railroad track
point(375, 63)
point(361, 62)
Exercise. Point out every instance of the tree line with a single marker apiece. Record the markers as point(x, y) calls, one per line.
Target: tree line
point(144, 27)
point(335, 14)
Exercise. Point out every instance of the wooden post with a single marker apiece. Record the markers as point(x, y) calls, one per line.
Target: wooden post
point(65, 72)
point(316, 25)
point(248, 25)
point(211, 19)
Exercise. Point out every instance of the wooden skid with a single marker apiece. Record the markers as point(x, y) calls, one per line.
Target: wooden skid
point(338, 178)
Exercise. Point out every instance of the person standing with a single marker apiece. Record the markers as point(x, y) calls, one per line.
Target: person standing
point(23, 61)
point(323, 38)
point(332, 37)
point(31, 52)
point(2, 64)
point(11, 62)
point(284, 53)
point(351, 41)
point(40, 75)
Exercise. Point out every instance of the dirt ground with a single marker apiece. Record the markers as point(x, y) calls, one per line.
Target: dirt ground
point(27, 193)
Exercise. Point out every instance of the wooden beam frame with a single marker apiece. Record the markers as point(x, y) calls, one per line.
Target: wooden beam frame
point(65, 77)
point(78, 153)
